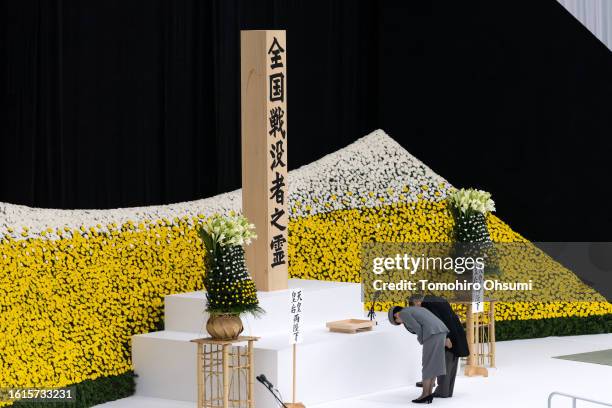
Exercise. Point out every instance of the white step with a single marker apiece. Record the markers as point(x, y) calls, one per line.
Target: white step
point(331, 366)
point(323, 302)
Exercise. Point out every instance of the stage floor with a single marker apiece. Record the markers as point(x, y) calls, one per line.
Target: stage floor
point(527, 373)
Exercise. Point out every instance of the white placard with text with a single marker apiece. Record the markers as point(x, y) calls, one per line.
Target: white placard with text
point(296, 304)
point(477, 307)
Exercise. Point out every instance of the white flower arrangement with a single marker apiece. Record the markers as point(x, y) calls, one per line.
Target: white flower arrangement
point(233, 229)
point(375, 170)
point(467, 200)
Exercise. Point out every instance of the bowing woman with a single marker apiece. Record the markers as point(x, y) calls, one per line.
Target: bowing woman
point(431, 333)
point(456, 346)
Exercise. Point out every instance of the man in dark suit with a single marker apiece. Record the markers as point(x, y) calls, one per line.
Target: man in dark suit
point(458, 342)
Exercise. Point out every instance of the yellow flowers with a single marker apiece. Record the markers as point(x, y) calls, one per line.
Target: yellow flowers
point(327, 246)
point(70, 306)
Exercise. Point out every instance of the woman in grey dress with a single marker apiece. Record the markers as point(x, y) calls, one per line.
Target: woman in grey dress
point(431, 333)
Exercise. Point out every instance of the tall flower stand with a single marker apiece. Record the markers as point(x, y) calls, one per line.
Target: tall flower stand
point(480, 332)
point(225, 373)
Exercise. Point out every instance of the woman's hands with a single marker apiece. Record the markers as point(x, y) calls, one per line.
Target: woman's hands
point(449, 343)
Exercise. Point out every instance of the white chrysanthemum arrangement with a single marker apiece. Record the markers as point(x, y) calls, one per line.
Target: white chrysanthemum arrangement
point(229, 288)
point(469, 208)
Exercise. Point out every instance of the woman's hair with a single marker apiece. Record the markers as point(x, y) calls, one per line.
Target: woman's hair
point(415, 298)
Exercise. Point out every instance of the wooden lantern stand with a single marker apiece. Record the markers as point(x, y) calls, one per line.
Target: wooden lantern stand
point(481, 339)
point(225, 373)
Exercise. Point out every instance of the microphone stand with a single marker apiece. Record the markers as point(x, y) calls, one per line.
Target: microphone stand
point(372, 313)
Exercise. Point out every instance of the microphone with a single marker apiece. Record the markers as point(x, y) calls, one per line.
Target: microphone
point(262, 379)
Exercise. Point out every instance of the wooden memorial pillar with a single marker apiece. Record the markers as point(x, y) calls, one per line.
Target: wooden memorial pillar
point(264, 154)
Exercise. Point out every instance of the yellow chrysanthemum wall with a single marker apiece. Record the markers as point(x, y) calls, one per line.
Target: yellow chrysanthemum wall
point(328, 246)
point(74, 288)
point(69, 306)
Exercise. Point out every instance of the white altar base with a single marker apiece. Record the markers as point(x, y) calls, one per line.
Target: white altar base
point(330, 366)
point(525, 376)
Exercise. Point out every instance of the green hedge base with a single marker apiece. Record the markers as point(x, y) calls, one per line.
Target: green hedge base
point(92, 392)
point(558, 326)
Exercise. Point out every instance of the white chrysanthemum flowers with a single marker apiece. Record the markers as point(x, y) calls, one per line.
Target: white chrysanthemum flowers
point(373, 171)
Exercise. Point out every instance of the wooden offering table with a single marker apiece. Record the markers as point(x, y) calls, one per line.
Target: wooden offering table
point(225, 373)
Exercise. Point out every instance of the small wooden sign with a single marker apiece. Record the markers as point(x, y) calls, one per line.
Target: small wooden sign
point(295, 312)
point(296, 302)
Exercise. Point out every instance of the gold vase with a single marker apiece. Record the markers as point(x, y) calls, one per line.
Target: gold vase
point(224, 326)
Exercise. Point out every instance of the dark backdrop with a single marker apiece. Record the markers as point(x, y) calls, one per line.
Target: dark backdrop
point(108, 103)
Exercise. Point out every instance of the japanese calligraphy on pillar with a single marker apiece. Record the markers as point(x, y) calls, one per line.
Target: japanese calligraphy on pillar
point(277, 136)
point(295, 313)
point(264, 154)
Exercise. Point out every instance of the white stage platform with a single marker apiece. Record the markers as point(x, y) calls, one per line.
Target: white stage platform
point(525, 376)
point(385, 358)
